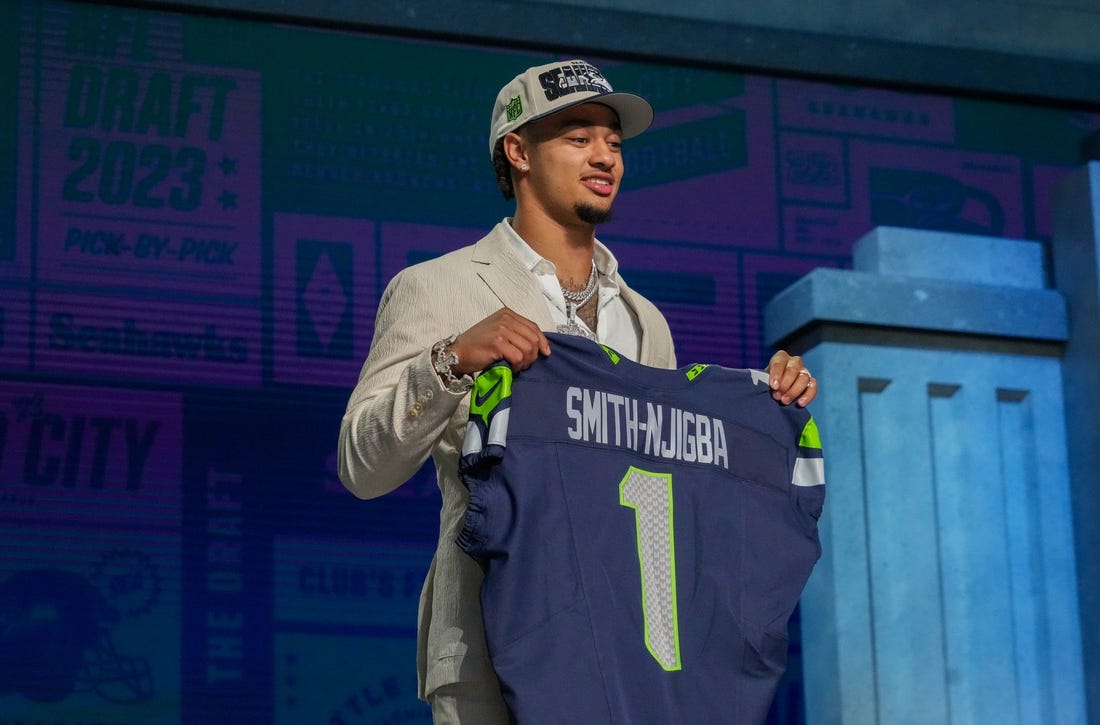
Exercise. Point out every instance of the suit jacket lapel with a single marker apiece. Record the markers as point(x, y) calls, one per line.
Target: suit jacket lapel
point(646, 350)
point(513, 284)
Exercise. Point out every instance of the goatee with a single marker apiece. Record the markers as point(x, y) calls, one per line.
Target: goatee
point(591, 214)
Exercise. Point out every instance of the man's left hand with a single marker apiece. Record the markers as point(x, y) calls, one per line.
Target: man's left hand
point(791, 380)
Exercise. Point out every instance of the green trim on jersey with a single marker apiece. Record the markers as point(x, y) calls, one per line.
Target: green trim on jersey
point(695, 371)
point(491, 387)
point(810, 437)
point(611, 354)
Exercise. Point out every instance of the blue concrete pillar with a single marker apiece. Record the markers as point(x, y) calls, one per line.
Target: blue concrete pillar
point(947, 590)
point(1076, 247)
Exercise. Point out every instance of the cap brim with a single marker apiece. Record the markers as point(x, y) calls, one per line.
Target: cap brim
point(634, 112)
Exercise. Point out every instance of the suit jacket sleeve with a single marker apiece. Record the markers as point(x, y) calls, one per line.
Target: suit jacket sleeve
point(399, 409)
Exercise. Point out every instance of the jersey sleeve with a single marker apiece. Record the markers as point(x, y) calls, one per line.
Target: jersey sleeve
point(482, 448)
point(487, 430)
point(809, 467)
point(808, 476)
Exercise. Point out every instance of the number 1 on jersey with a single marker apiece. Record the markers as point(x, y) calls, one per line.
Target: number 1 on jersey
point(650, 495)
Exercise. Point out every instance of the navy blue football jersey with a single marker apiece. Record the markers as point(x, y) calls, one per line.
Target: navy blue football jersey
point(645, 535)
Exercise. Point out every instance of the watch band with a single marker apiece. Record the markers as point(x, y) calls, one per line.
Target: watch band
point(443, 360)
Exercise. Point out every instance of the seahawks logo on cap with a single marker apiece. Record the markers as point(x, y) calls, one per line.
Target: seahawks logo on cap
point(573, 78)
point(514, 109)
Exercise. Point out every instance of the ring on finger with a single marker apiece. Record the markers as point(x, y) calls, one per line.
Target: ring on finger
point(806, 372)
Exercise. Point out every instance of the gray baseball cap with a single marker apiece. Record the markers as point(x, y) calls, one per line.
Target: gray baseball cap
point(545, 89)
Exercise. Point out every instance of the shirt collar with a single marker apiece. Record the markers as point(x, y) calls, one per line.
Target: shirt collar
point(606, 263)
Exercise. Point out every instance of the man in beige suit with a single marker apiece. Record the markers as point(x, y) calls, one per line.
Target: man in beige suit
point(555, 138)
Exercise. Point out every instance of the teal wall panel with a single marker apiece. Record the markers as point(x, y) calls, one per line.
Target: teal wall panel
point(1076, 258)
point(948, 586)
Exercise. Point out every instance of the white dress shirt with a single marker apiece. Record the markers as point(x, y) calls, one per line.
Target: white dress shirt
point(616, 325)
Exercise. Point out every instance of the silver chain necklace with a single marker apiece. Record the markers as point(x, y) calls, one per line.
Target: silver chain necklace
point(579, 298)
point(573, 300)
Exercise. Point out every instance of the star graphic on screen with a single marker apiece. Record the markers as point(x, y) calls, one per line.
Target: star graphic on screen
point(228, 165)
point(228, 200)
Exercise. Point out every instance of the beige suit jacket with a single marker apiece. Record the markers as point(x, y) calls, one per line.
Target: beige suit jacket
point(399, 414)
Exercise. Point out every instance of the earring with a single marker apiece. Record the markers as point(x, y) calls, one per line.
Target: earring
point(523, 167)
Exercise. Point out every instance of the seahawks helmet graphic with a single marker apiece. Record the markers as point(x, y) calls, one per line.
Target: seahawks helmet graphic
point(55, 640)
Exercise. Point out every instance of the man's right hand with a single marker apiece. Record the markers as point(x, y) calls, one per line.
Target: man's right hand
point(503, 335)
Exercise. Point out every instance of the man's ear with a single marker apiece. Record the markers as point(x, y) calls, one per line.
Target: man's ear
point(516, 151)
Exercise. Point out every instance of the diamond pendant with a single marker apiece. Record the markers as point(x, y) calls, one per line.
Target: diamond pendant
point(571, 327)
